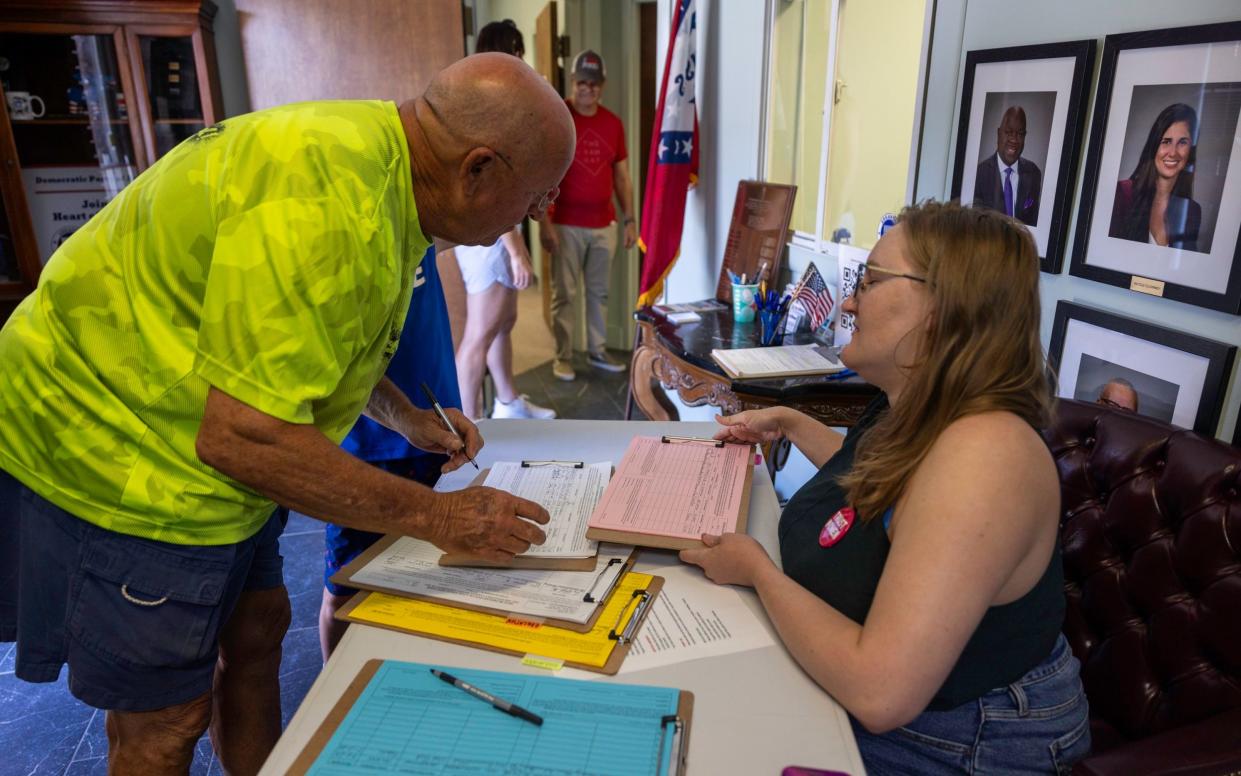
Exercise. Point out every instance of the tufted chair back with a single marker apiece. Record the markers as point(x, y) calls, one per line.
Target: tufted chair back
point(1151, 538)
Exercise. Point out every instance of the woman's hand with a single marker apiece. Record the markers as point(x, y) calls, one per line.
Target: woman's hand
point(731, 559)
point(751, 427)
point(523, 273)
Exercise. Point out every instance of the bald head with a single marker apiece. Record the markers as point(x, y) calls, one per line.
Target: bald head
point(1120, 394)
point(494, 135)
point(1010, 136)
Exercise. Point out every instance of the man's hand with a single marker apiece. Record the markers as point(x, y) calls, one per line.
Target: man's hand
point(485, 523)
point(631, 233)
point(425, 430)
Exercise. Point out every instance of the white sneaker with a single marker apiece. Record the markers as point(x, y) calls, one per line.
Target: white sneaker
point(521, 407)
point(563, 370)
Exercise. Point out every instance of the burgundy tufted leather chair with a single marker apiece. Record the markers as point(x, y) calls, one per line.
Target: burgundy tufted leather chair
point(1151, 533)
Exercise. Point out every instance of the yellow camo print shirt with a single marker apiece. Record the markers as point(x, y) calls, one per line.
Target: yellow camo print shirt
point(272, 256)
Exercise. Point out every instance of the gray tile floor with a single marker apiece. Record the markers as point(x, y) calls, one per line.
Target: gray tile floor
point(45, 730)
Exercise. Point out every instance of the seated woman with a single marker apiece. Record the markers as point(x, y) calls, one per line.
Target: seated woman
point(922, 584)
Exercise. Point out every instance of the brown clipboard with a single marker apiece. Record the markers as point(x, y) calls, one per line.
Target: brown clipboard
point(624, 640)
point(319, 740)
point(345, 577)
point(518, 562)
point(676, 542)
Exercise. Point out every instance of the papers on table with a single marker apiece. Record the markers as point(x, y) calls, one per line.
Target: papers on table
point(678, 490)
point(406, 720)
point(781, 361)
point(567, 493)
point(410, 565)
point(692, 621)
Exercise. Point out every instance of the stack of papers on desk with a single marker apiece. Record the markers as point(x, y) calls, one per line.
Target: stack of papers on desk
point(779, 361)
point(568, 494)
point(409, 566)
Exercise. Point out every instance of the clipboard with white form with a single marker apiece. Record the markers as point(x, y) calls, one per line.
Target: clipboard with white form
point(669, 490)
point(569, 491)
point(602, 650)
point(394, 715)
point(405, 566)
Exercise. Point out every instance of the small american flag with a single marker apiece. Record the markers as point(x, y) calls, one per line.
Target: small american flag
point(814, 296)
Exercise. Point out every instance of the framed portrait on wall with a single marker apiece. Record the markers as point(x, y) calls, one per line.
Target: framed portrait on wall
point(1128, 364)
point(1022, 112)
point(1161, 198)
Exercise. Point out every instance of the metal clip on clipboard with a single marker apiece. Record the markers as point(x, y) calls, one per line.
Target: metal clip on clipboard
point(590, 599)
point(677, 763)
point(643, 598)
point(570, 464)
point(668, 439)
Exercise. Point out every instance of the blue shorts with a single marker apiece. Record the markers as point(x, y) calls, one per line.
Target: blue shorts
point(138, 621)
point(342, 544)
point(1038, 724)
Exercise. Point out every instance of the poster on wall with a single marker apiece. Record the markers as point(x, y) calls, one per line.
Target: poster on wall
point(1134, 366)
point(61, 199)
point(850, 263)
point(1161, 198)
point(1022, 110)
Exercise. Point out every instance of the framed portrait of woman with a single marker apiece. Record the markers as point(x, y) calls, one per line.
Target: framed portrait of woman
point(1139, 367)
point(1022, 112)
point(1161, 199)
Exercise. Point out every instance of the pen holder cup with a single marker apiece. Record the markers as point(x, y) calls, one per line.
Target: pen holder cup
point(744, 302)
point(771, 331)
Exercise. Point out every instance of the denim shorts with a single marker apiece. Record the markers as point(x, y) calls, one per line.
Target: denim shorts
point(138, 621)
point(342, 545)
point(1038, 724)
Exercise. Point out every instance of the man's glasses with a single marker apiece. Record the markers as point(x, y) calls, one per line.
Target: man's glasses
point(867, 280)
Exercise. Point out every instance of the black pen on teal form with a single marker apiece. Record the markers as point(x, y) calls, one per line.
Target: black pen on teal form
point(435, 405)
point(499, 703)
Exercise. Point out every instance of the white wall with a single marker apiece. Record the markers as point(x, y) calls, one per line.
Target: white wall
point(965, 25)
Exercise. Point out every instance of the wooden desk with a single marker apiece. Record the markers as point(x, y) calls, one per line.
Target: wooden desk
point(678, 357)
point(754, 712)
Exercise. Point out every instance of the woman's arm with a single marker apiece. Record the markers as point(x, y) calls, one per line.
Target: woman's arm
point(960, 536)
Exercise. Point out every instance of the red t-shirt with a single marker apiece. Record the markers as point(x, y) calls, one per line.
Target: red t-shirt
point(586, 191)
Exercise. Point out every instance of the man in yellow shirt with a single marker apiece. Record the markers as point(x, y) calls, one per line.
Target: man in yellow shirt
point(196, 352)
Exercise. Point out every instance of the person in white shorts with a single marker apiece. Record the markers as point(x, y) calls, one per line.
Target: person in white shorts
point(493, 275)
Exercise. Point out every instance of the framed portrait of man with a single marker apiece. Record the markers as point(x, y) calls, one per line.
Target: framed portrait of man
point(1139, 367)
point(1022, 111)
point(1161, 197)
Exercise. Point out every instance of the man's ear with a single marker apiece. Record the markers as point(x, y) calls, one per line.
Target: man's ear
point(476, 170)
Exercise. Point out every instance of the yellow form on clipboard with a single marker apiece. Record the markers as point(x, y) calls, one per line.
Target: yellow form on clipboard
point(603, 649)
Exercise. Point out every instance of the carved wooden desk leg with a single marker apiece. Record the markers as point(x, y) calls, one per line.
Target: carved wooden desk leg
point(644, 386)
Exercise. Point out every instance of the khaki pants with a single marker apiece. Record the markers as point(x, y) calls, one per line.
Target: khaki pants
point(584, 257)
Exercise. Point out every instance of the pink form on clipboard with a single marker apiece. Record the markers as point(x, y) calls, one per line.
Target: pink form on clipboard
point(680, 489)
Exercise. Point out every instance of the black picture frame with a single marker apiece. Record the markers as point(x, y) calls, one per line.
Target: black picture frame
point(1210, 363)
point(1073, 88)
point(1130, 90)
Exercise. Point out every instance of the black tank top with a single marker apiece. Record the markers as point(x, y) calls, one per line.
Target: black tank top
point(1011, 638)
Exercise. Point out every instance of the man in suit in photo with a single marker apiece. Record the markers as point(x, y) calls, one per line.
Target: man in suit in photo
point(1006, 182)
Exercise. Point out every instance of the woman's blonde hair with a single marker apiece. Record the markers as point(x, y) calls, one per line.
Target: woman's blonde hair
point(981, 349)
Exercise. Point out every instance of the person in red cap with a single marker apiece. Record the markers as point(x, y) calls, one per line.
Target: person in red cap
point(580, 229)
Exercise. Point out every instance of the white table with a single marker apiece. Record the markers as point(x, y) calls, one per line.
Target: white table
point(754, 712)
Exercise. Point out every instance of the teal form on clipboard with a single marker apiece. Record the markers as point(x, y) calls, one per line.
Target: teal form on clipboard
point(399, 717)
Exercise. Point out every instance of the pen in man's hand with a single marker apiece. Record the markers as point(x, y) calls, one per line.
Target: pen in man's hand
point(499, 703)
point(435, 405)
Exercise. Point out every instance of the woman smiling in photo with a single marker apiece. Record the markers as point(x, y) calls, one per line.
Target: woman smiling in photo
point(1155, 204)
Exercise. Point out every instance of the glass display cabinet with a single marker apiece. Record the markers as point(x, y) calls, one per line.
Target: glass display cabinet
point(93, 92)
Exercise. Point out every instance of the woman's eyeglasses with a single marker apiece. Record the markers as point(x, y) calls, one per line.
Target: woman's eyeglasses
point(867, 280)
